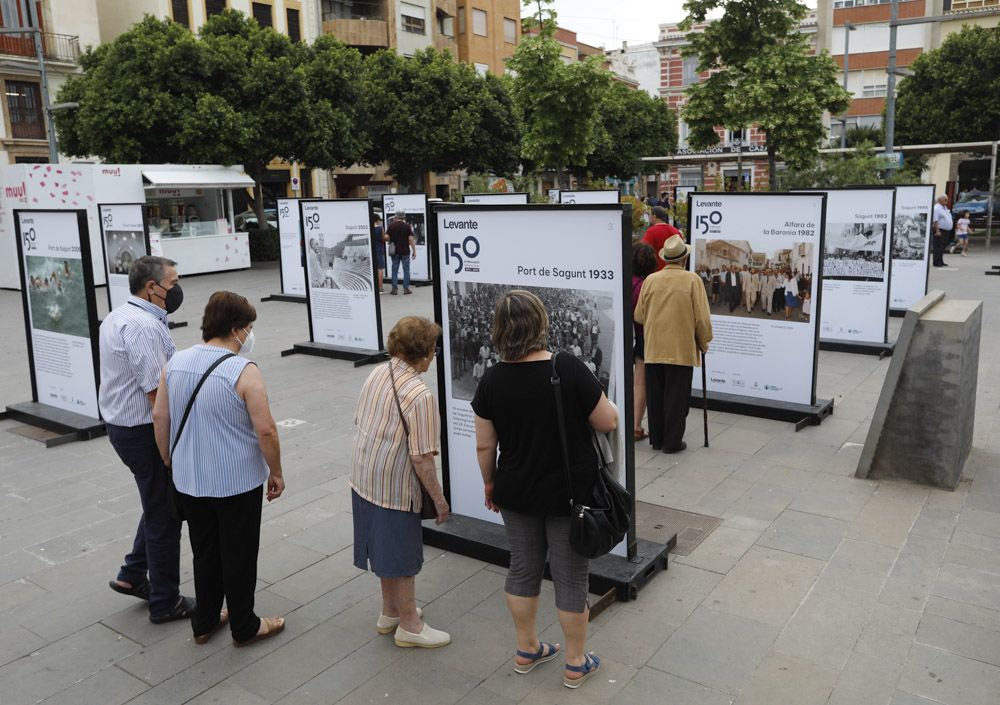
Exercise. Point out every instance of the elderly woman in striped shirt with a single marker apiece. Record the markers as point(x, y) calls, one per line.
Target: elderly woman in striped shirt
point(214, 428)
point(398, 433)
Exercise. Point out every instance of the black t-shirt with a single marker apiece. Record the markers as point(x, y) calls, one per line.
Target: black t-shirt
point(519, 399)
point(399, 233)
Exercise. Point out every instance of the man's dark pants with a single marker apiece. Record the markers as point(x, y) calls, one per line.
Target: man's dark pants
point(668, 398)
point(157, 546)
point(938, 243)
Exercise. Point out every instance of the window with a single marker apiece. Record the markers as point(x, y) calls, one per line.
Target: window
point(482, 69)
point(683, 132)
point(690, 70)
point(874, 90)
point(352, 10)
point(179, 12)
point(24, 103)
point(446, 23)
point(262, 13)
point(461, 20)
point(214, 7)
point(689, 176)
point(838, 4)
point(414, 19)
point(479, 22)
point(293, 24)
point(509, 30)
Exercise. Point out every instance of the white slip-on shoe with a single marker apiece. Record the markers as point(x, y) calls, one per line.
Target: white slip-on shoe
point(387, 625)
point(428, 638)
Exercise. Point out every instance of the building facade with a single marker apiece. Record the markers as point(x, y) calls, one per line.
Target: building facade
point(639, 63)
point(488, 33)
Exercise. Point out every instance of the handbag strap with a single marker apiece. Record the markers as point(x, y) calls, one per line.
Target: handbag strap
point(187, 410)
point(561, 415)
point(399, 407)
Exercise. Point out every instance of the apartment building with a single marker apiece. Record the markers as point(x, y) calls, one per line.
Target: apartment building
point(488, 33)
point(638, 63)
point(65, 26)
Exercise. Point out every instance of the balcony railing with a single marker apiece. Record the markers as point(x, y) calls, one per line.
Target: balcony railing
point(354, 10)
point(55, 47)
point(957, 5)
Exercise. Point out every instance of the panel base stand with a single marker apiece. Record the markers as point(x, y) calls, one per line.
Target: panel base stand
point(358, 357)
point(413, 283)
point(70, 426)
point(487, 542)
point(897, 312)
point(288, 298)
point(178, 324)
point(850, 346)
point(801, 415)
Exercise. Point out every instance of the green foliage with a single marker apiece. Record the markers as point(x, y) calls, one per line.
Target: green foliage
point(680, 214)
point(954, 94)
point(867, 133)
point(430, 113)
point(639, 209)
point(863, 167)
point(635, 125)
point(764, 74)
point(264, 244)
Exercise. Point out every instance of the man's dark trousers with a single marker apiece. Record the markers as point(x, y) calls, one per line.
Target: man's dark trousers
point(938, 243)
point(157, 545)
point(668, 398)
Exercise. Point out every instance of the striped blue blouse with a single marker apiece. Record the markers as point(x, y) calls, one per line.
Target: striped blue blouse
point(135, 345)
point(218, 454)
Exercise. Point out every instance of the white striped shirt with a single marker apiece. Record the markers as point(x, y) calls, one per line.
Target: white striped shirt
point(381, 470)
point(135, 344)
point(219, 453)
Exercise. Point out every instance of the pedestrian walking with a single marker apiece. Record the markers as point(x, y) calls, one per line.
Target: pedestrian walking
point(135, 344)
point(404, 248)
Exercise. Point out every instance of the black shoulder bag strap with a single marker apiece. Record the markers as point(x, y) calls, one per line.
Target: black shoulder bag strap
point(187, 410)
point(557, 388)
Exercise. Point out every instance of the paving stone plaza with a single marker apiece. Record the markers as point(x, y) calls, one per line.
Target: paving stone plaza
point(817, 587)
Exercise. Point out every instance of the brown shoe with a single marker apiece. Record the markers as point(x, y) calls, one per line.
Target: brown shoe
point(223, 621)
point(406, 291)
point(274, 625)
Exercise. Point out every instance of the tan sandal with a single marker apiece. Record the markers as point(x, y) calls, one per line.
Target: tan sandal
point(274, 625)
point(223, 621)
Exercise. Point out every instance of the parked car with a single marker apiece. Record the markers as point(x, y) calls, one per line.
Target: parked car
point(976, 202)
point(247, 220)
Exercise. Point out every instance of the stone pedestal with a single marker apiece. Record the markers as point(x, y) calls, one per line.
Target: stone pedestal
point(923, 423)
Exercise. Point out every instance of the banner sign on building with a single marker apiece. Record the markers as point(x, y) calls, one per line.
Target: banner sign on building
point(414, 209)
point(582, 197)
point(911, 241)
point(759, 257)
point(856, 266)
point(125, 238)
point(340, 273)
point(577, 260)
point(518, 198)
point(293, 275)
point(60, 310)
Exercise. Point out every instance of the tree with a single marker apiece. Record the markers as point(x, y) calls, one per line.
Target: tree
point(635, 125)
point(871, 134)
point(558, 103)
point(431, 113)
point(954, 94)
point(862, 167)
point(763, 73)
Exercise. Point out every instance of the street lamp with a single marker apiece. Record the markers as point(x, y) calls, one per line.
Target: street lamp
point(848, 28)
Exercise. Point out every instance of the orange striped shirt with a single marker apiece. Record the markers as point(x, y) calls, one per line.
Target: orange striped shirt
point(381, 469)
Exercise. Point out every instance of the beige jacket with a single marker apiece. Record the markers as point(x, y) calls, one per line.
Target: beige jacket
point(673, 310)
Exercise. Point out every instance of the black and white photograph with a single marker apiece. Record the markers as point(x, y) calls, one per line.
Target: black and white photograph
point(346, 264)
point(908, 236)
point(123, 247)
point(855, 251)
point(580, 322)
point(416, 221)
point(745, 282)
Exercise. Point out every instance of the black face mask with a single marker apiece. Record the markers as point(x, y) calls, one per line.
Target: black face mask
point(174, 298)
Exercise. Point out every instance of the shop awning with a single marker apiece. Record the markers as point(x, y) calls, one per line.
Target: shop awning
point(195, 178)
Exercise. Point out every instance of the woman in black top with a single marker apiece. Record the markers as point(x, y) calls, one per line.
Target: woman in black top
point(516, 411)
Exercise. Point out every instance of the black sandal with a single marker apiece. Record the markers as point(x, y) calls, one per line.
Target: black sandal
point(141, 590)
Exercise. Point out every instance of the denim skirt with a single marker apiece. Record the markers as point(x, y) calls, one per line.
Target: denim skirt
point(388, 541)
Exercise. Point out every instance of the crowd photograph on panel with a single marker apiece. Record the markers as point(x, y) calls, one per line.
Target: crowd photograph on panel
point(855, 251)
point(347, 264)
point(756, 283)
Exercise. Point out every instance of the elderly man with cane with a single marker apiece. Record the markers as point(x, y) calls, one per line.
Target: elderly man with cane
point(673, 310)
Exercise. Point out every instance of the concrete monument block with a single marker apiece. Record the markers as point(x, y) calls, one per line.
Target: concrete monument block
point(922, 427)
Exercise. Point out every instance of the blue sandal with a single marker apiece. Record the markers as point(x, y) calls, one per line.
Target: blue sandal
point(590, 666)
point(546, 652)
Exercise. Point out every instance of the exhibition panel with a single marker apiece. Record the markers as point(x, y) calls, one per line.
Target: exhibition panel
point(911, 242)
point(291, 253)
point(496, 198)
point(124, 239)
point(414, 209)
point(582, 197)
point(759, 257)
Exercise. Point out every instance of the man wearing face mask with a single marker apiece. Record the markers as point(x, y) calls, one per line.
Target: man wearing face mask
point(135, 344)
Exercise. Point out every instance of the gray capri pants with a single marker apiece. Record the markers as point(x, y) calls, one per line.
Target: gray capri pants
point(531, 538)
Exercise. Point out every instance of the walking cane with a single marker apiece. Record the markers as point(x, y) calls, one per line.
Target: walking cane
point(704, 396)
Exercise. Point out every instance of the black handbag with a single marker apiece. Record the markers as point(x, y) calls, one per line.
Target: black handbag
point(427, 509)
point(172, 498)
point(599, 523)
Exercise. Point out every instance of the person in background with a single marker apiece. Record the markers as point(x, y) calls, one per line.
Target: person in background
point(226, 452)
point(791, 292)
point(677, 326)
point(378, 244)
point(400, 234)
point(515, 411)
point(962, 234)
point(393, 456)
point(135, 344)
point(658, 233)
point(643, 264)
point(942, 224)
